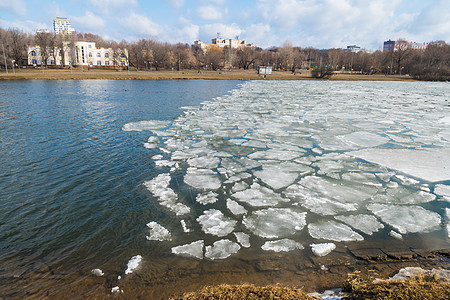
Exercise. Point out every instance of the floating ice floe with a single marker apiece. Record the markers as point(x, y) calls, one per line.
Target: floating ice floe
point(397, 195)
point(259, 196)
point(159, 187)
point(428, 164)
point(158, 233)
point(194, 249)
point(184, 226)
point(395, 235)
point(97, 272)
point(407, 219)
point(284, 245)
point(322, 249)
point(208, 198)
point(243, 239)
point(443, 190)
point(116, 289)
point(214, 222)
point(281, 175)
point(205, 162)
point(145, 125)
point(447, 213)
point(133, 264)
point(363, 139)
point(364, 223)
point(330, 230)
point(221, 249)
point(275, 222)
point(203, 179)
point(235, 208)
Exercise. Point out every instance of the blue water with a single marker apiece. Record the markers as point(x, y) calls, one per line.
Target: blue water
point(71, 190)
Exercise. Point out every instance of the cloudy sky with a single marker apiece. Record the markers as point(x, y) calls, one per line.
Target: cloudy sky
point(316, 23)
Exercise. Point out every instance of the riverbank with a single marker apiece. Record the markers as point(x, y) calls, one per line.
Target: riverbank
point(62, 74)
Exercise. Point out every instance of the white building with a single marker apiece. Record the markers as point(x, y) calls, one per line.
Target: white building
point(80, 54)
point(62, 26)
point(222, 43)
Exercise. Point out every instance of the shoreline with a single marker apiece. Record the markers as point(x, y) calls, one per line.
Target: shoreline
point(77, 74)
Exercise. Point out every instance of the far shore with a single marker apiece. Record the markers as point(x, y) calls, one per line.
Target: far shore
point(85, 73)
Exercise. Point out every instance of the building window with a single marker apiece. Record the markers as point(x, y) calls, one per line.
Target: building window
point(52, 62)
point(106, 63)
point(33, 53)
point(34, 62)
point(90, 54)
point(98, 54)
point(89, 46)
point(99, 62)
point(106, 55)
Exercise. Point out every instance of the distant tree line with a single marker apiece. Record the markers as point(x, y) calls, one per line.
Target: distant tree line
point(433, 63)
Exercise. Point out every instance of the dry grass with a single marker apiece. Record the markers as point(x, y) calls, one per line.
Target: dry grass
point(245, 291)
point(77, 73)
point(418, 288)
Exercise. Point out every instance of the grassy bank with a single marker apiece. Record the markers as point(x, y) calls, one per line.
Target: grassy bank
point(77, 73)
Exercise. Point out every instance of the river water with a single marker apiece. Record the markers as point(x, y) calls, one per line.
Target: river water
point(159, 182)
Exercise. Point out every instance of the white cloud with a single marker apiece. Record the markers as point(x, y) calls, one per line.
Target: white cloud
point(176, 3)
point(17, 7)
point(140, 26)
point(27, 26)
point(259, 34)
point(209, 31)
point(209, 13)
point(109, 3)
point(88, 23)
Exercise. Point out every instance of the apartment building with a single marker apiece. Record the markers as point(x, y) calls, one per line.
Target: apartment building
point(222, 43)
point(394, 45)
point(62, 26)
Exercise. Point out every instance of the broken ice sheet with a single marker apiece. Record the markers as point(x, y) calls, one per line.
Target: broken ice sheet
point(398, 195)
point(133, 264)
point(194, 249)
point(214, 222)
point(331, 230)
point(363, 139)
point(275, 222)
point(158, 232)
point(235, 208)
point(322, 249)
point(407, 218)
point(443, 190)
point(284, 245)
point(281, 175)
point(259, 196)
point(221, 249)
point(202, 179)
point(206, 198)
point(364, 223)
point(145, 125)
point(243, 239)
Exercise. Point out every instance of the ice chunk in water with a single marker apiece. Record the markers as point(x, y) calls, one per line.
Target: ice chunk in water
point(158, 233)
point(430, 164)
point(397, 195)
point(315, 202)
point(363, 139)
point(97, 272)
point(235, 207)
point(184, 226)
point(239, 186)
point(205, 162)
point(364, 223)
point(145, 125)
point(133, 264)
point(276, 154)
point(194, 249)
point(443, 190)
point(258, 195)
point(395, 235)
point(407, 218)
point(243, 239)
point(275, 222)
point(330, 230)
point(202, 179)
point(208, 198)
point(116, 289)
point(284, 245)
point(214, 222)
point(221, 249)
point(281, 175)
point(447, 213)
point(322, 249)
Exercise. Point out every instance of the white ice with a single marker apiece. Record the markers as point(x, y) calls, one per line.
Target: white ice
point(207, 198)
point(243, 239)
point(194, 249)
point(363, 139)
point(331, 230)
point(202, 179)
point(395, 235)
point(443, 190)
point(184, 226)
point(97, 272)
point(275, 222)
point(214, 222)
point(221, 249)
point(447, 214)
point(133, 264)
point(364, 223)
point(236, 208)
point(258, 196)
point(281, 175)
point(407, 218)
point(158, 232)
point(145, 125)
point(428, 164)
point(284, 245)
point(322, 249)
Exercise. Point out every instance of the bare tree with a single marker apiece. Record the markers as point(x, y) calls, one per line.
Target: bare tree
point(17, 45)
point(45, 41)
point(245, 57)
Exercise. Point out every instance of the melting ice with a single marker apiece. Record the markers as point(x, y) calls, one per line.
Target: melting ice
point(344, 164)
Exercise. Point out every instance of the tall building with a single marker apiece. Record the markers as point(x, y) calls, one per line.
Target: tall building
point(62, 26)
point(394, 45)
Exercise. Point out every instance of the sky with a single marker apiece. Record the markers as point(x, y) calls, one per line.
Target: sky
point(320, 24)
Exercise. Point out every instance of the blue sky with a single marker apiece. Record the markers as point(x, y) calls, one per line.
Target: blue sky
point(316, 23)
